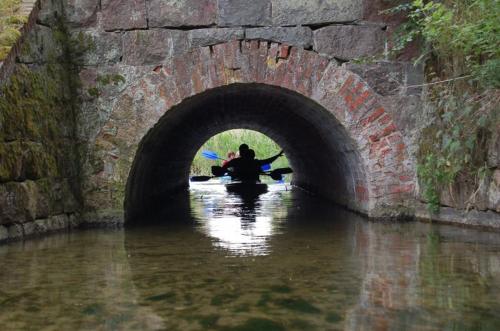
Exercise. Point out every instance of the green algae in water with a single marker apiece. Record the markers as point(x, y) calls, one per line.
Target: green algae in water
point(208, 321)
point(93, 309)
point(333, 317)
point(242, 308)
point(281, 289)
point(297, 304)
point(221, 299)
point(302, 325)
point(169, 296)
point(256, 324)
point(264, 299)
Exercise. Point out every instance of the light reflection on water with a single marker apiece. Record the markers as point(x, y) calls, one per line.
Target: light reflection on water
point(242, 225)
point(287, 263)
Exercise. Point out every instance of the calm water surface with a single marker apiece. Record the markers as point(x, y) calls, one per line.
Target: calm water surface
point(282, 262)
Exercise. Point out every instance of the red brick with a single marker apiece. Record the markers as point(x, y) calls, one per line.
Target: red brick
point(284, 51)
point(373, 116)
point(385, 119)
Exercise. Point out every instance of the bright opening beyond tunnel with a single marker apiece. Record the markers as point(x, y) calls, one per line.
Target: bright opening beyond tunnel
point(225, 145)
point(323, 156)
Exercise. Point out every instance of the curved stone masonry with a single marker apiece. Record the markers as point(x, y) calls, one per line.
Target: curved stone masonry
point(385, 178)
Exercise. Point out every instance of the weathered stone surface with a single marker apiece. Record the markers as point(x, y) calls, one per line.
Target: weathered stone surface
point(494, 192)
point(15, 231)
point(390, 78)
point(449, 215)
point(244, 13)
point(48, 10)
point(40, 46)
point(207, 37)
point(295, 36)
point(295, 12)
point(4, 233)
point(81, 12)
point(28, 229)
point(100, 47)
point(123, 14)
point(349, 42)
point(74, 221)
point(18, 201)
point(175, 13)
point(153, 46)
point(373, 12)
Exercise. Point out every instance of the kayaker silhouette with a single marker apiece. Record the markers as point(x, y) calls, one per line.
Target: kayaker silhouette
point(247, 168)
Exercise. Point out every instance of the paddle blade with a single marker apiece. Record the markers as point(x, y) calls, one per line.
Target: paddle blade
point(210, 155)
point(200, 178)
point(218, 171)
point(265, 167)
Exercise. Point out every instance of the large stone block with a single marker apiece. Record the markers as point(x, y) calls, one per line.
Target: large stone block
point(175, 13)
point(98, 47)
point(295, 36)
point(390, 78)
point(4, 233)
point(18, 202)
point(11, 161)
point(153, 46)
point(302, 12)
point(123, 14)
point(40, 46)
point(347, 42)
point(81, 12)
point(49, 9)
point(207, 37)
point(244, 13)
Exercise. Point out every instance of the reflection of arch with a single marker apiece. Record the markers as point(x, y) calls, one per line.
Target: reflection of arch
point(340, 140)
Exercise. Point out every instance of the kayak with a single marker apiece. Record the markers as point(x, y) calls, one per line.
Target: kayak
point(246, 188)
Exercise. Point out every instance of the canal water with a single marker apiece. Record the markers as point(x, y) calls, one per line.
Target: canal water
point(284, 261)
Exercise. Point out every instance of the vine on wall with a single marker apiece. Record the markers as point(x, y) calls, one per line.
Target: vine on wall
point(461, 50)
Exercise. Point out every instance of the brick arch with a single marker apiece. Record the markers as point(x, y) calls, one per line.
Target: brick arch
point(383, 154)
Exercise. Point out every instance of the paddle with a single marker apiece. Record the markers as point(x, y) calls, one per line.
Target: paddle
point(276, 174)
point(211, 155)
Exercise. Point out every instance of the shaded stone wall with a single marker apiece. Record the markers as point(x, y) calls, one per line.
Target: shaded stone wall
point(39, 186)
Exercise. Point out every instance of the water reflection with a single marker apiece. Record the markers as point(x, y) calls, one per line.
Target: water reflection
point(242, 224)
point(308, 266)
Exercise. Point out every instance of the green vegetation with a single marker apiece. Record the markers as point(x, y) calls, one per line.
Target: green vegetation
point(230, 141)
point(461, 41)
point(10, 23)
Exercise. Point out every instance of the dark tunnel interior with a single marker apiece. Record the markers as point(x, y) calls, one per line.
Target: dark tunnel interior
point(323, 156)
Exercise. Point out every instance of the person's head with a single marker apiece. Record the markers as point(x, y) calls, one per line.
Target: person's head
point(243, 147)
point(231, 155)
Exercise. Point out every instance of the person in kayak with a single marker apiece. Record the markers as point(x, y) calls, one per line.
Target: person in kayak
point(246, 168)
point(230, 155)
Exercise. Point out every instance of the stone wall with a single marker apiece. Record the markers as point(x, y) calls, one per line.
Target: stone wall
point(39, 186)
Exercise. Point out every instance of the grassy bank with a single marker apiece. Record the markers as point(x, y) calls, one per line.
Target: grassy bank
point(230, 141)
point(11, 22)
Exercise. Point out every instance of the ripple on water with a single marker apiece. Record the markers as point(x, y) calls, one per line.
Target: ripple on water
point(280, 262)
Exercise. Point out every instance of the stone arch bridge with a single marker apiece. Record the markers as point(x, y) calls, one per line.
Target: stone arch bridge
point(132, 88)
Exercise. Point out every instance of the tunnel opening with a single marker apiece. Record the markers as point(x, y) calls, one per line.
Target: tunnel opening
point(224, 146)
point(324, 157)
